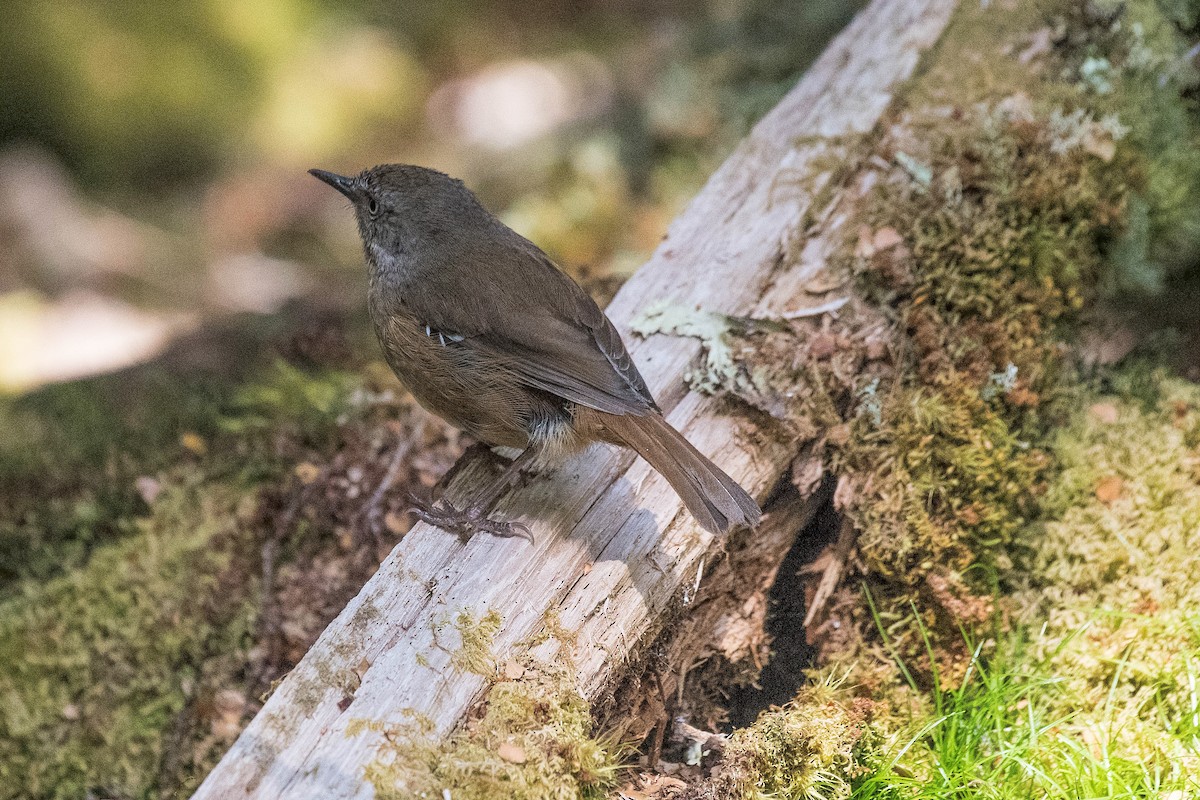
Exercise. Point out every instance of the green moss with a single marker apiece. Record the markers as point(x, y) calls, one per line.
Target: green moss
point(533, 741)
point(951, 484)
point(820, 745)
point(71, 455)
point(97, 666)
point(1092, 691)
point(1113, 576)
point(474, 653)
point(1153, 87)
point(1039, 191)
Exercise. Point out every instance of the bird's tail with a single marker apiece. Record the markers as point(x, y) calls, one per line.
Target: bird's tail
point(713, 498)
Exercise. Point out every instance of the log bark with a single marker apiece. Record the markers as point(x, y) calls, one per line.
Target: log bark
point(615, 554)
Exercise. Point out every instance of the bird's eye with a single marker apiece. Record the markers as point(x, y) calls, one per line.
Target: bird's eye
point(372, 206)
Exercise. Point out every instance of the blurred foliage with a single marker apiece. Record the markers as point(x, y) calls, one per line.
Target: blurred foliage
point(97, 666)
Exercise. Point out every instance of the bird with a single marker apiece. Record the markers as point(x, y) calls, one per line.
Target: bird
point(487, 332)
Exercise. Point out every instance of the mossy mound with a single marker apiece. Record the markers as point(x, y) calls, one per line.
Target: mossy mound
point(1110, 582)
point(1089, 689)
point(1020, 194)
point(97, 665)
point(130, 632)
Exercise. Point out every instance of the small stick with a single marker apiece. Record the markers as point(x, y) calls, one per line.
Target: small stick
point(816, 311)
point(370, 511)
point(833, 570)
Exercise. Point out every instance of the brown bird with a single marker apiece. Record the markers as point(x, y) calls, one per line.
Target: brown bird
point(488, 333)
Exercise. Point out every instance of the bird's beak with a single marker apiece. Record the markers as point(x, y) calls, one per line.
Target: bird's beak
point(340, 182)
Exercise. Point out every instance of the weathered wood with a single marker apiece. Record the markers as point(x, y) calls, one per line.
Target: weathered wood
point(614, 551)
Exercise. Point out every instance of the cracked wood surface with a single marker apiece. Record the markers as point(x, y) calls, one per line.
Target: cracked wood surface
point(615, 552)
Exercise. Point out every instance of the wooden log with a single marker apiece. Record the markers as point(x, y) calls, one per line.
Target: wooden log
point(615, 553)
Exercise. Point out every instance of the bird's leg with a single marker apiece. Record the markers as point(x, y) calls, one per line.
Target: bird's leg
point(473, 519)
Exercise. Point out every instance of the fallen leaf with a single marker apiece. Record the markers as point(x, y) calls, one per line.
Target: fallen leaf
point(866, 244)
point(1102, 147)
point(228, 707)
point(845, 493)
point(824, 282)
point(838, 435)
point(395, 523)
point(147, 488)
point(1039, 44)
point(807, 472)
point(877, 347)
point(307, 472)
point(823, 345)
point(513, 670)
point(1105, 412)
point(1109, 489)
point(512, 753)
point(193, 442)
point(1102, 348)
point(886, 238)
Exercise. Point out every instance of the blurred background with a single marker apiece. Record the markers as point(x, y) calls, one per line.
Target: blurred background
point(153, 156)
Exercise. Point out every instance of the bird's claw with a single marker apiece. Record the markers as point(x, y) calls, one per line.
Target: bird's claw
point(467, 522)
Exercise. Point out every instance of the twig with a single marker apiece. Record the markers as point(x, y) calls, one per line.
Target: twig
point(369, 514)
point(660, 729)
point(816, 311)
point(269, 624)
point(833, 570)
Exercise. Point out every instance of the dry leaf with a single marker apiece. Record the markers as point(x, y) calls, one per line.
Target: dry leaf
point(807, 472)
point(147, 488)
point(307, 472)
point(193, 442)
point(1105, 412)
point(228, 707)
point(866, 244)
point(824, 282)
point(395, 523)
point(1102, 147)
point(1039, 45)
point(513, 670)
point(886, 238)
point(845, 493)
point(512, 753)
point(1109, 489)
point(822, 346)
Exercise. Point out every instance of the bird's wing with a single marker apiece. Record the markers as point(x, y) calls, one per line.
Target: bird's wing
point(582, 363)
point(539, 323)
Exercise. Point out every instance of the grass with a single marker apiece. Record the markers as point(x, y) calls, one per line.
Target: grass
point(1004, 733)
point(1095, 690)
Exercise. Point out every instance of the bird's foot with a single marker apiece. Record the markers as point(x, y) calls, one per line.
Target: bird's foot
point(467, 522)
